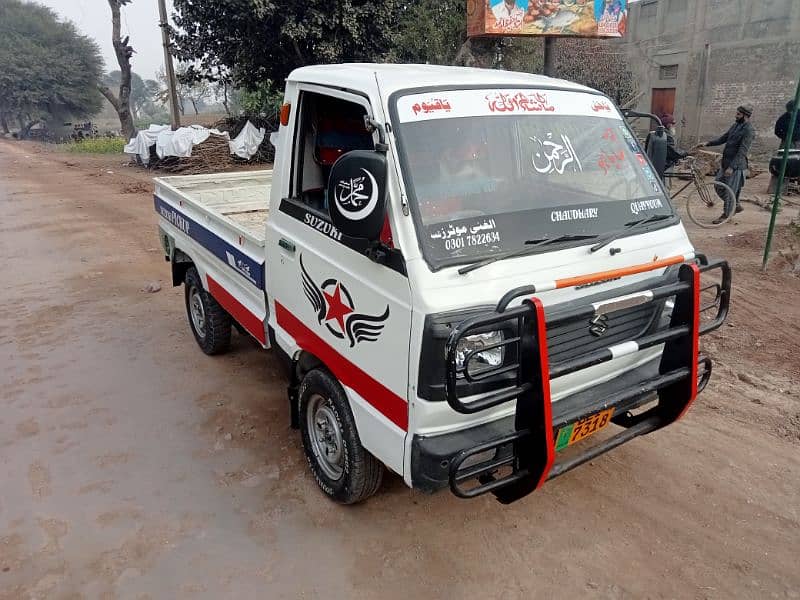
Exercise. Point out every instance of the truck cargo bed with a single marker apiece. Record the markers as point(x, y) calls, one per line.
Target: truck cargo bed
point(240, 200)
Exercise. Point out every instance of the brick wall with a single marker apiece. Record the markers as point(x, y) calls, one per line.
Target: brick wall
point(754, 58)
point(761, 74)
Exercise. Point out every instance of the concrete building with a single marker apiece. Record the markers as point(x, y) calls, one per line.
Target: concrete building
point(700, 59)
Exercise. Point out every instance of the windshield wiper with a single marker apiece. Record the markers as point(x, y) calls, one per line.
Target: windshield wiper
point(628, 226)
point(529, 247)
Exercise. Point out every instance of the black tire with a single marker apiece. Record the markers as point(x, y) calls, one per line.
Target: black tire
point(212, 330)
point(708, 213)
point(361, 473)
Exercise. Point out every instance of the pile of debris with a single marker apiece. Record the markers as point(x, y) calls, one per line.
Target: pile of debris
point(269, 123)
point(210, 156)
point(196, 149)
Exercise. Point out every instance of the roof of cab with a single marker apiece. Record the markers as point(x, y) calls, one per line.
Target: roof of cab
point(394, 77)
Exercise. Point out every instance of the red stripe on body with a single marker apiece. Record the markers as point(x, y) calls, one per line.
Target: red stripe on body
point(695, 335)
point(237, 310)
point(389, 404)
point(544, 362)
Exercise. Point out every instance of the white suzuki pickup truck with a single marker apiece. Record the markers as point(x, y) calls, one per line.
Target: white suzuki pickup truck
point(468, 272)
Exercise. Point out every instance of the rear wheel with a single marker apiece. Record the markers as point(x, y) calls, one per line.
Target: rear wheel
point(210, 324)
point(705, 205)
point(343, 468)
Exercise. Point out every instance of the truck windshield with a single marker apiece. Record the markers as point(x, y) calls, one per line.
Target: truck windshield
point(488, 170)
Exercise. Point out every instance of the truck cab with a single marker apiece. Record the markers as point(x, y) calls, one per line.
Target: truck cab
point(467, 271)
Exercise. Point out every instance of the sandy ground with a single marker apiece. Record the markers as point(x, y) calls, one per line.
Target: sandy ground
point(133, 466)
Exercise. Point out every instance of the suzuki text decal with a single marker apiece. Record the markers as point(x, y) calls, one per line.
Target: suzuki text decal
point(336, 310)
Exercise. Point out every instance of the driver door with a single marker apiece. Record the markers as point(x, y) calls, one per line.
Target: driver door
point(328, 298)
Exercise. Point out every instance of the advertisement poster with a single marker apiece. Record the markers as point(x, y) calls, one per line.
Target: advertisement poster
point(579, 18)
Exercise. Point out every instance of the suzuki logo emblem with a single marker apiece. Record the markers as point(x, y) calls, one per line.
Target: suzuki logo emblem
point(599, 325)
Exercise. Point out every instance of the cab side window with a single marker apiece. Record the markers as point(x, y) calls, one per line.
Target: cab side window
point(328, 127)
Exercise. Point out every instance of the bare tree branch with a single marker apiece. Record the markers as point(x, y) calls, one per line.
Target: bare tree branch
point(109, 95)
point(124, 52)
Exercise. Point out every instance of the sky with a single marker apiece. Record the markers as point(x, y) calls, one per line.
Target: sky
point(139, 20)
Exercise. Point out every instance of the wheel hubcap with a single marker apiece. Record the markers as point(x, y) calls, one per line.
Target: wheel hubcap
point(326, 436)
point(197, 312)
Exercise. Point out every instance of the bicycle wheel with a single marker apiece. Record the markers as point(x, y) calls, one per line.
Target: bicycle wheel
point(705, 205)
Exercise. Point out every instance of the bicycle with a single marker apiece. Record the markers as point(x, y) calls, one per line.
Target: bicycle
point(705, 205)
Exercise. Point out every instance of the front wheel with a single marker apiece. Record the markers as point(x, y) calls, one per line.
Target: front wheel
point(705, 205)
point(343, 468)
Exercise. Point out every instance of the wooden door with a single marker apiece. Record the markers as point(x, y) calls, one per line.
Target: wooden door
point(663, 101)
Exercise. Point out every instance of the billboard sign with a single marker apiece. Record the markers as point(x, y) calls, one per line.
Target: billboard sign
point(578, 18)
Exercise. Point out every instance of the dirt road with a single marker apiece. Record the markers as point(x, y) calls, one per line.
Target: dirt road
point(133, 466)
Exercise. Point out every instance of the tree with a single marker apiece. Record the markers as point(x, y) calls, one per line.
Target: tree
point(47, 69)
point(194, 90)
point(186, 89)
point(598, 64)
point(121, 101)
point(143, 93)
point(257, 41)
point(224, 90)
point(431, 31)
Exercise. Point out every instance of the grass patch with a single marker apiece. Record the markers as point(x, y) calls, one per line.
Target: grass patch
point(103, 145)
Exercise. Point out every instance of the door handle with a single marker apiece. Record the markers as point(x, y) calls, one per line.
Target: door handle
point(287, 245)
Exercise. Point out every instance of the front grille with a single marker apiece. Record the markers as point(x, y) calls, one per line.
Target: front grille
point(574, 338)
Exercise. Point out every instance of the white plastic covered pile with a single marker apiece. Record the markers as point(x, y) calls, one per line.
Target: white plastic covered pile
point(181, 141)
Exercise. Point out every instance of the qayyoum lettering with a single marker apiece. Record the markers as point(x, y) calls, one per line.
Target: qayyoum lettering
point(642, 205)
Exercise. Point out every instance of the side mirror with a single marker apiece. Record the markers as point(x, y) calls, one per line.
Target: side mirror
point(357, 193)
point(657, 150)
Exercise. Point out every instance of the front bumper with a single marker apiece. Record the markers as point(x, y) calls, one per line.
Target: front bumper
point(432, 456)
point(512, 457)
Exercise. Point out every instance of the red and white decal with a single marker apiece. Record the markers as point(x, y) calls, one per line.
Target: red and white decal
point(237, 310)
point(384, 400)
point(498, 102)
point(520, 102)
point(334, 307)
point(601, 105)
point(432, 105)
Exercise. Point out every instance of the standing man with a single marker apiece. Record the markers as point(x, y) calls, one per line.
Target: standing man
point(782, 127)
point(737, 140)
point(782, 133)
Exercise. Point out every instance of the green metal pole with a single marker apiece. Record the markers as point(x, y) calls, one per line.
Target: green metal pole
point(776, 201)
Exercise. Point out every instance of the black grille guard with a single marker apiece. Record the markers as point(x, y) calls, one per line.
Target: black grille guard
point(682, 374)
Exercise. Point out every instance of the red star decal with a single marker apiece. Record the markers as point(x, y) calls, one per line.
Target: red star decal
point(337, 310)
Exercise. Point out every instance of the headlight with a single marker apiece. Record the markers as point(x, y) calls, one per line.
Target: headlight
point(484, 360)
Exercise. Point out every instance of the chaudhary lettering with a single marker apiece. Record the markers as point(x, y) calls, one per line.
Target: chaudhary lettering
point(573, 214)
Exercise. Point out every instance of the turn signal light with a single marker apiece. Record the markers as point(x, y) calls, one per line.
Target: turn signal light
point(286, 110)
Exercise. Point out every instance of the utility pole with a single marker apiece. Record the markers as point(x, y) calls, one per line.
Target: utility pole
point(169, 70)
point(549, 63)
